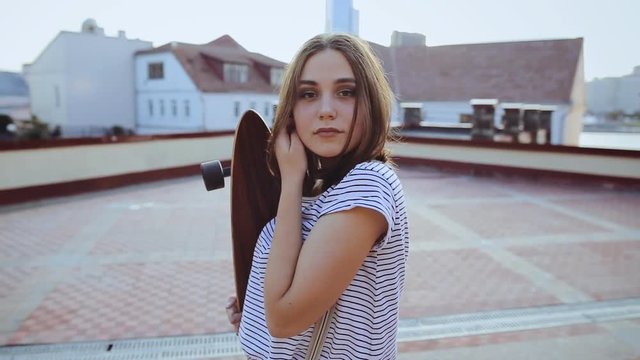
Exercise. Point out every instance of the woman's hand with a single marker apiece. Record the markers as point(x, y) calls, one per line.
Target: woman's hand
point(291, 156)
point(233, 313)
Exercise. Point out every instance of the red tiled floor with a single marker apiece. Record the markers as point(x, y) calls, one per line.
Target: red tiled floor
point(39, 231)
point(421, 229)
point(619, 208)
point(548, 188)
point(448, 282)
point(161, 265)
point(497, 220)
point(130, 301)
point(11, 278)
point(452, 188)
point(606, 270)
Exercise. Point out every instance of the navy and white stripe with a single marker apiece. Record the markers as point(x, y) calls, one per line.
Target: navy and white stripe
point(365, 320)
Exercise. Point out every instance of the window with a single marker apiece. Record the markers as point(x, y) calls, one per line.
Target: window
point(150, 102)
point(187, 110)
point(236, 109)
point(56, 94)
point(161, 107)
point(252, 105)
point(276, 76)
point(236, 73)
point(174, 108)
point(266, 109)
point(156, 70)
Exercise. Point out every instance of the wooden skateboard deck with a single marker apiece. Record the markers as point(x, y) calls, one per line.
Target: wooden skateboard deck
point(254, 194)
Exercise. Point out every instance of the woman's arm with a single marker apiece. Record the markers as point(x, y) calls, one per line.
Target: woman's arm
point(303, 282)
point(316, 277)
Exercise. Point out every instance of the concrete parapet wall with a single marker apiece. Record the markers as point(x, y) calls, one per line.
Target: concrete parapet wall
point(605, 163)
point(57, 168)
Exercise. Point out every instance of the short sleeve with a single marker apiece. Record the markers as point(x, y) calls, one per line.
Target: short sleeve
point(368, 185)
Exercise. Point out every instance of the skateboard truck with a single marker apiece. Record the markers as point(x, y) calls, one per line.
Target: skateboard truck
point(213, 174)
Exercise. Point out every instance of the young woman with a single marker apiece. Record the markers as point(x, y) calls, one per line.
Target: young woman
point(337, 248)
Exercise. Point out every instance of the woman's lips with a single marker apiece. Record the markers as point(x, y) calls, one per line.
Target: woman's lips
point(327, 132)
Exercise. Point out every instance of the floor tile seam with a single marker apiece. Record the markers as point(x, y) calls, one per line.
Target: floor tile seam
point(559, 239)
point(509, 198)
point(100, 261)
point(524, 241)
point(538, 276)
point(465, 201)
point(619, 330)
point(570, 212)
point(445, 222)
point(27, 298)
point(84, 240)
point(53, 260)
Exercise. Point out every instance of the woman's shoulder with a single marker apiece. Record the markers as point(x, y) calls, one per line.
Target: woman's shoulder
point(373, 169)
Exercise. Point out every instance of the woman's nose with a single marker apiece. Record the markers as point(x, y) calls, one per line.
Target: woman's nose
point(327, 110)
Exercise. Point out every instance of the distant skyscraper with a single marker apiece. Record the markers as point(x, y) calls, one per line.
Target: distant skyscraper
point(342, 17)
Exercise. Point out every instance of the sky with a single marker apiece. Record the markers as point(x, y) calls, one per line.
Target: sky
point(276, 28)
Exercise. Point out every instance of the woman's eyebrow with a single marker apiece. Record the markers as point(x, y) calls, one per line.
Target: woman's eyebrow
point(338, 81)
point(345, 80)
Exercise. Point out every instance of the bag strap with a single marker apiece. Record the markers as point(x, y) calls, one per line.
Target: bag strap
point(318, 336)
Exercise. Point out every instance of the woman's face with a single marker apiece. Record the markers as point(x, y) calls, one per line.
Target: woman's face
point(326, 100)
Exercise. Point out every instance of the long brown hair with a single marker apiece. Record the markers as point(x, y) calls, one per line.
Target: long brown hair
point(373, 104)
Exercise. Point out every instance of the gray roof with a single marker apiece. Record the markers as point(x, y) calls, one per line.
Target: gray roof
point(525, 71)
point(13, 84)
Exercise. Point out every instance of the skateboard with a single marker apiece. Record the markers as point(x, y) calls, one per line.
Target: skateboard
point(254, 192)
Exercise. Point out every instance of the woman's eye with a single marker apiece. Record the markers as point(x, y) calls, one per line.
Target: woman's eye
point(347, 92)
point(307, 94)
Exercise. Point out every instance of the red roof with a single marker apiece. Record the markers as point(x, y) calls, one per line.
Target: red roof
point(204, 63)
point(527, 71)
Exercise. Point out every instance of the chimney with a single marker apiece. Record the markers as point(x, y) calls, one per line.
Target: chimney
point(407, 39)
point(122, 34)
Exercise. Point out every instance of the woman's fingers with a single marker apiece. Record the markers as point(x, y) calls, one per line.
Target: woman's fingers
point(296, 143)
point(231, 302)
point(233, 314)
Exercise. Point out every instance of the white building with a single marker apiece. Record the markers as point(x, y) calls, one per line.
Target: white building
point(614, 94)
point(14, 97)
point(185, 88)
point(83, 81)
point(440, 81)
point(342, 17)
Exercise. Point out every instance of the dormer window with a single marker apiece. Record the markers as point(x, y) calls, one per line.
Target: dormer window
point(276, 76)
point(155, 70)
point(236, 73)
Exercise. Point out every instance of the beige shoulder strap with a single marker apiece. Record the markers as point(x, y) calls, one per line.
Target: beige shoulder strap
point(318, 336)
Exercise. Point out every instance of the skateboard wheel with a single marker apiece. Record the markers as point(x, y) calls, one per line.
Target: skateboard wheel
point(212, 174)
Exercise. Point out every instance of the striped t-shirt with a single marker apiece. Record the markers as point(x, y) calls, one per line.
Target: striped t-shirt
point(365, 320)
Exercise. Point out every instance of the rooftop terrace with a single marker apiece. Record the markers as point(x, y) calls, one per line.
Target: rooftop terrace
point(499, 268)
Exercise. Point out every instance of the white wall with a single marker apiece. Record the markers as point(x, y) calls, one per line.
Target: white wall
point(94, 77)
point(445, 112)
point(47, 84)
point(220, 109)
point(44, 166)
point(573, 121)
point(100, 80)
point(154, 94)
point(208, 111)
